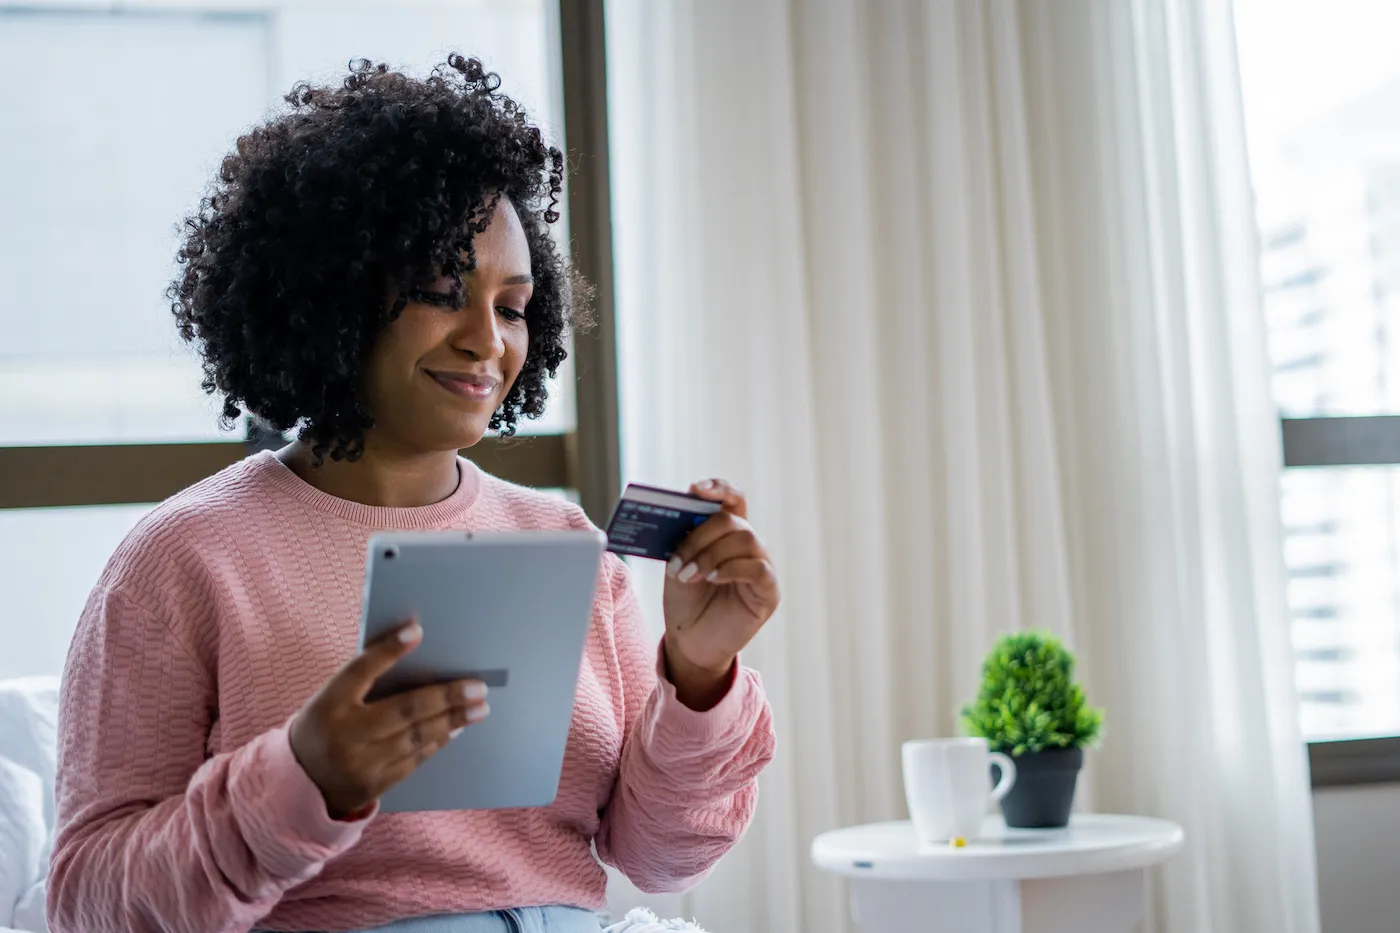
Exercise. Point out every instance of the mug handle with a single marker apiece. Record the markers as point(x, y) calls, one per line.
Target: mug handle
point(1008, 775)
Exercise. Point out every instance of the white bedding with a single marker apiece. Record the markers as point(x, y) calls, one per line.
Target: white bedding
point(28, 743)
point(641, 920)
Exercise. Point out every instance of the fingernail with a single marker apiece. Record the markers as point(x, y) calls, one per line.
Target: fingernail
point(673, 565)
point(410, 633)
point(456, 732)
point(689, 571)
point(478, 713)
point(472, 690)
point(712, 576)
point(707, 484)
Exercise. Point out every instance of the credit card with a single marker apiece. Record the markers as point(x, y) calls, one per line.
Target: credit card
point(651, 522)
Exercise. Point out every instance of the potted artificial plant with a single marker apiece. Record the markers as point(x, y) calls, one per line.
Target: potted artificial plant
point(1030, 708)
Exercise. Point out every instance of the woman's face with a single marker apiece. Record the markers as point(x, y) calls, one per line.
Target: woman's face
point(437, 374)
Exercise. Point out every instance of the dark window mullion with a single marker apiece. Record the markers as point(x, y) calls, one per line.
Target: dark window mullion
point(121, 474)
point(1372, 440)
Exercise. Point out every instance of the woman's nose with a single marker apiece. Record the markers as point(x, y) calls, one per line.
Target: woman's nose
point(478, 332)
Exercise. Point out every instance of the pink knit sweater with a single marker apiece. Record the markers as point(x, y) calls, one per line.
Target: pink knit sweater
point(182, 809)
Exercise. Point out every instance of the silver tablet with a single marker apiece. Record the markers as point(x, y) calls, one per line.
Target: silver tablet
point(509, 608)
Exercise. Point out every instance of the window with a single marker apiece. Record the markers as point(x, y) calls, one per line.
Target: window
point(110, 171)
point(1325, 655)
point(1301, 279)
point(101, 412)
point(1321, 90)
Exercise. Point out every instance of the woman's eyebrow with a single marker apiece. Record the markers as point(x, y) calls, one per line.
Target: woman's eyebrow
point(522, 278)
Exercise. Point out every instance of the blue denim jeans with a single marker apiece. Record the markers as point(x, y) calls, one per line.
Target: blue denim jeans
point(515, 920)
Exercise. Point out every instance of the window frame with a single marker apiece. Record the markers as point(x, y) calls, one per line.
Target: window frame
point(587, 459)
point(596, 445)
point(1342, 441)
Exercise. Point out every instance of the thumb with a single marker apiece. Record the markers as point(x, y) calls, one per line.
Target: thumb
point(354, 680)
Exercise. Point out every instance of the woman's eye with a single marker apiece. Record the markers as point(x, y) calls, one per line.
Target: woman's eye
point(511, 314)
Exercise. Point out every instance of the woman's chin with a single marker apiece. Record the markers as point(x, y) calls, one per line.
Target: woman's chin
point(445, 435)
point(462, 440)
point(464, 435)
point(442, 427)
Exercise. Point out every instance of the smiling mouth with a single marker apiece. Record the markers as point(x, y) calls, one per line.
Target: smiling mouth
point(473, 387)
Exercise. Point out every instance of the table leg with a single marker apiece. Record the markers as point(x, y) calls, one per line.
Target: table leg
point(1110, 903)
point(936, 907)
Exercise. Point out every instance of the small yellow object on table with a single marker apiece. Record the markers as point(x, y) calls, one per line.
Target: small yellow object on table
point(957, 842)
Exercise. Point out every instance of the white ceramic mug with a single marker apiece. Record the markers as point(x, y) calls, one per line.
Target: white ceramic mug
point(947, 783)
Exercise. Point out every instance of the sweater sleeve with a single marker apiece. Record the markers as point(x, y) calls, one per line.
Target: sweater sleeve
point(155, 836)
point(687, 782)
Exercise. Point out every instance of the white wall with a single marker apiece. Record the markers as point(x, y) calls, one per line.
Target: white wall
point(1358, 858)
point(49, 561)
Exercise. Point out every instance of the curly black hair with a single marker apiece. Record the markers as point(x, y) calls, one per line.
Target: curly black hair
point(325, 221)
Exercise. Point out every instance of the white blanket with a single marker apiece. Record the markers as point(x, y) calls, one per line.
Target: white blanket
point(642, 920)
point(28, 745)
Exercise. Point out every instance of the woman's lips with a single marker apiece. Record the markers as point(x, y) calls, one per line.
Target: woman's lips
point(466, 385)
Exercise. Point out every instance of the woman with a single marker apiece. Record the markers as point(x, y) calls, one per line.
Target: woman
point(375, 267)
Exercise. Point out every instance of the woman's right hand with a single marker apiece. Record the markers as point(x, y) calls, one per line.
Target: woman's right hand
point(355, 750)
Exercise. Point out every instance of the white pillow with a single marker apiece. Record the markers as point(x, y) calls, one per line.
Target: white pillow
point(28, 752)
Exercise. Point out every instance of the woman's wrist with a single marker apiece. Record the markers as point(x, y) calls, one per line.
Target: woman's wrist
point(698, 687)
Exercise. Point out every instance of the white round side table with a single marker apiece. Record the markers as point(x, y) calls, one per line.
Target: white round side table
point(1090, 875)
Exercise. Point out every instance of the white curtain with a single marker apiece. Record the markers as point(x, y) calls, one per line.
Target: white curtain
point(963, 292)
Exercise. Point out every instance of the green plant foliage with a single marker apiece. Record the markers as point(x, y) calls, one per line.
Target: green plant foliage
point(1029, 701)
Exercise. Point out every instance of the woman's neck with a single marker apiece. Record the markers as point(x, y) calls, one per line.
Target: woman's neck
point(379, 477)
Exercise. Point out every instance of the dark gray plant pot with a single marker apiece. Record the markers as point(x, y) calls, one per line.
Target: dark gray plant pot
point(1044, 789)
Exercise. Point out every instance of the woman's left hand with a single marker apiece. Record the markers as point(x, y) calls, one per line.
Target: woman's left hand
point(720, 589)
